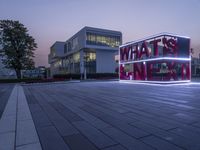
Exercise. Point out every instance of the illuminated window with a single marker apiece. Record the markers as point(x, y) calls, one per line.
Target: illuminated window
point(76, 57)
point(102, 40)
point(90, 62)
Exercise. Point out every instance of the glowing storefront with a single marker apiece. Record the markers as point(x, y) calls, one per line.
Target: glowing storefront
point(160, 58)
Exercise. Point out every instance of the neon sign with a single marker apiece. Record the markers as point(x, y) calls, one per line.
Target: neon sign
point(163, 57)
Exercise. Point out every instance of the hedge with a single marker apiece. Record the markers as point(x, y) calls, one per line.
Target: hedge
point(30, 80)
point(89, 76)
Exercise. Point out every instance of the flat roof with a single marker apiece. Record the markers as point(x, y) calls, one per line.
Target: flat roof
point(94, 29)
point(58, 42)
point(104, 30)
point(152, 37)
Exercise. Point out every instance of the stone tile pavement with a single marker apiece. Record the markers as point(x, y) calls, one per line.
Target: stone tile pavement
point(102, 116)
point(17, 130)
point(5, 91)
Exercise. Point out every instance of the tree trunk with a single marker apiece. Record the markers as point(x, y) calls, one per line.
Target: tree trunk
point(18, 73)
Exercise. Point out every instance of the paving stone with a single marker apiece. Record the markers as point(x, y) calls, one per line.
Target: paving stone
point(135, 132)
point(30, 98)
point(125, 140)
point(94, 135)
point(34, 146)
point(186, 143)
point(34, 108)
point(63, 126)
point(7, 141)
point(116, 147)
point(154, 122)
point(51, 140)
point(7, 124)
point(78, 142)
point(96, 122)
point(5, 91)
point(187, 132)
point(40, 119)
point(56, 105)
point(11, 106)
point(23, 114)
point(123, 113)
point(26, 133)
point(159, 143)
point(107, 110)
point(197, 124)
point(184, 117)
point(69, 115)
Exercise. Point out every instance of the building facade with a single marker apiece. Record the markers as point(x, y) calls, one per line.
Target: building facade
point(195, 66)
point(91, 50)
point(55, 58)
point(160, 58)
point(38, 72)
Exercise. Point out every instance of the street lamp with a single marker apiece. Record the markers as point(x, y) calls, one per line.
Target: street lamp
point(85, 59)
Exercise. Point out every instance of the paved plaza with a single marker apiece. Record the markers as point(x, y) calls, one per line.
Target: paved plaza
point(5, 91)
point(100, 116)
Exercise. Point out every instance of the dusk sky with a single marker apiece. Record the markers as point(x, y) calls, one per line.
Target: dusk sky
point(57, 20)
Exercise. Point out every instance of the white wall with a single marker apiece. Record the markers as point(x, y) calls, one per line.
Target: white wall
point(105, 61)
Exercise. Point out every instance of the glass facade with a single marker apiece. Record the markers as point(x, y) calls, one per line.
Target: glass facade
point(90, 62)
point(76, 62)
point(102, 40)
point(67, 47)
point(57, 63)
point(71, 64)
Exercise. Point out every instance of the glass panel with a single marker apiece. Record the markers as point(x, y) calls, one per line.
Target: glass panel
point(102, 40)
point(90, 62)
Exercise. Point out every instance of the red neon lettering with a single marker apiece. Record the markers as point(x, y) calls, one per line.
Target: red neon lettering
point(139, 71)
point(149, 70)
point(134, 51)
point(172, 71)
point(144, 50)
point(170, 47)
point(155, 46)
point(124, 52)
point(185, 71)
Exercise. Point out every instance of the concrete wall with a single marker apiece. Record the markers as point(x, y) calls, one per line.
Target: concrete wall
point(105, 61)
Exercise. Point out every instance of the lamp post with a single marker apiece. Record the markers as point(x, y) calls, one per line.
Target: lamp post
point(85, 65)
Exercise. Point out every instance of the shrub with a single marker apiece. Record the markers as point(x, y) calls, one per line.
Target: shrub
point(89, 76)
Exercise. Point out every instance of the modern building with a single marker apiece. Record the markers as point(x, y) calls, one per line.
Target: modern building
point(161, 58)
point(195, 66)
point(91, 50)
point(55, 58)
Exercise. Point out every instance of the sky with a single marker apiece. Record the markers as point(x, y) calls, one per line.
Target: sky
point(57, 20)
